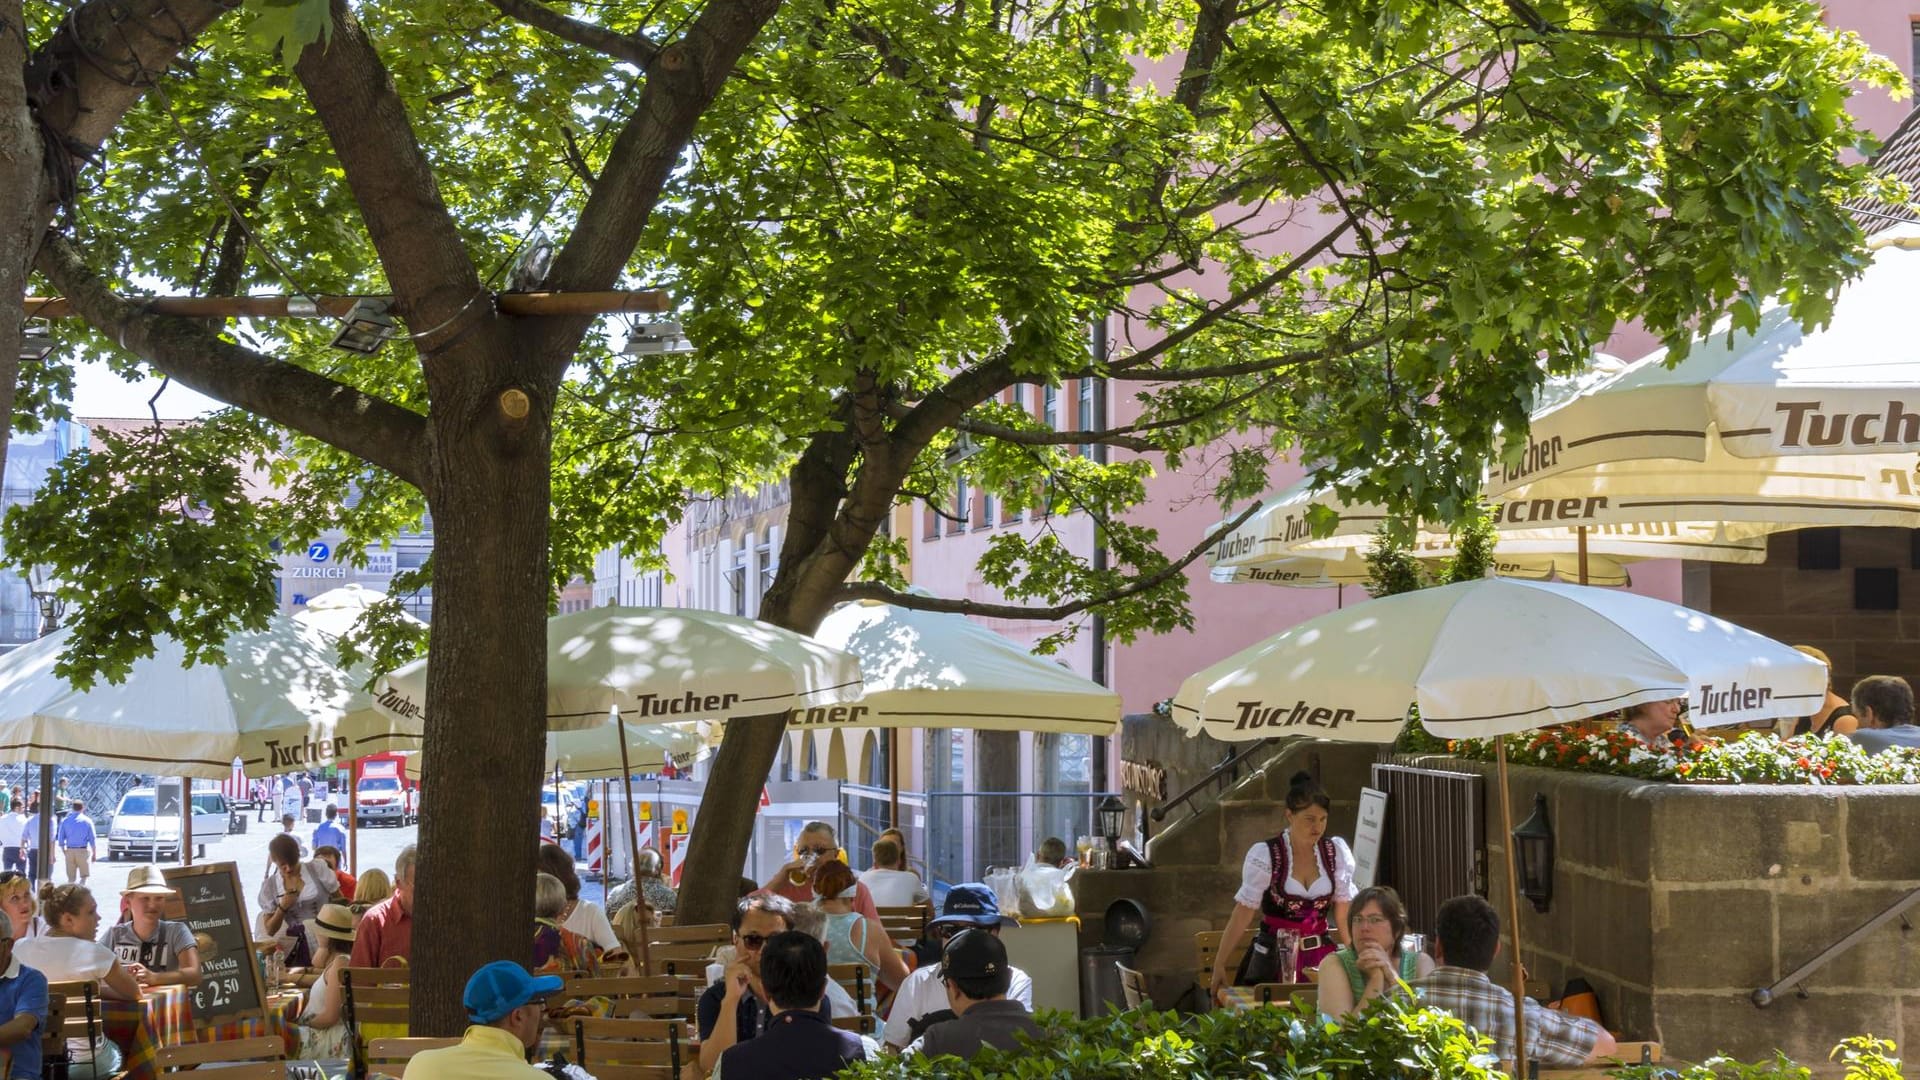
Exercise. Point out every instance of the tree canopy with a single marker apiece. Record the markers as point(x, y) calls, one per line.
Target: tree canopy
point(1360, 231)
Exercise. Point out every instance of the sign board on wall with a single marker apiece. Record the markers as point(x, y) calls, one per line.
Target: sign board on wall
point(1366, 837)
point(212, 906)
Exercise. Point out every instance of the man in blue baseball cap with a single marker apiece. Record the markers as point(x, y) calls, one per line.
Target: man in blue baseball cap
point(506, 1006)
point(922, 1001)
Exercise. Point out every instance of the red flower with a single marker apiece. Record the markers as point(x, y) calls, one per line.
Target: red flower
point(1805, 764)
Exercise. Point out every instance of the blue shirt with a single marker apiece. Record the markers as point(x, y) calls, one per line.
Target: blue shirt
point(24, 990)
point(30, 832)
point(75, 831)
point(329, 833)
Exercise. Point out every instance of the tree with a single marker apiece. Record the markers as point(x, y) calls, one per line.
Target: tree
point(469, 427)
point(1364, 230)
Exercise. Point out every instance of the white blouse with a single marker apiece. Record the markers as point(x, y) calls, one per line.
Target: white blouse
point(589, 920)
point(1256, 875)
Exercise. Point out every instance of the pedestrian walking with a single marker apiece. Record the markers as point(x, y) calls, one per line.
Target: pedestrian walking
point(78, 840)
point(13, 825)
point(262, 802)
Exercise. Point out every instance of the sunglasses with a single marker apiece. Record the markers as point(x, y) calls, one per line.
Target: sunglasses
point(818, 851)
point(9, 876)
point(753, 941)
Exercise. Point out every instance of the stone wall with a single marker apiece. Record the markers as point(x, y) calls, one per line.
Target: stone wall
point(1816, 607)
point(1197, 861)
point(1678, 901)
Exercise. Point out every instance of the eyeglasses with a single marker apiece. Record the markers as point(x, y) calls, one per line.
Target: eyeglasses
point(753, 941)
point(818, 850)
point(1372, 920)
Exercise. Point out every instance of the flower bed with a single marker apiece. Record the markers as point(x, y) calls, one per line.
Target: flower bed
point(1753, 758)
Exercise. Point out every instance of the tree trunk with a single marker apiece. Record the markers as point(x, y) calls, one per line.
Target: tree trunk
point(20, 211)
point(486, 694)
point(711, 874)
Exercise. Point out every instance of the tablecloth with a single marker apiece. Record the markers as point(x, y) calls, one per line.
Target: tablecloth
point(164, 1017)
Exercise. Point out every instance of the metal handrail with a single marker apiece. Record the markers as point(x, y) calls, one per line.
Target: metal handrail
point(1159, 813)
point(1764, 996)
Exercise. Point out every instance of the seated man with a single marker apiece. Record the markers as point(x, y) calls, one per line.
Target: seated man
point(977, 975)
point(1884, 704)
point(506, 1007)
point(23, 1009)
point(1467, 935)
point(1053, 852)
point(799, 1043)
point(921, 1001)
point(735, 1009)
point(155, 951)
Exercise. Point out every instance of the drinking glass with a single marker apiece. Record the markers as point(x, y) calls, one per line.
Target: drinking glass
point(1083, 845)
point(1286, 948)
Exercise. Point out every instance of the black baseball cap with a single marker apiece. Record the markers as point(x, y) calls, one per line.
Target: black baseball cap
point(973, 954)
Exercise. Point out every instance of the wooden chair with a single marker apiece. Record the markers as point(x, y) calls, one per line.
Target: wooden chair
point(1133, 988)
point(1207, 945)
point(382, 1054)
point(631, 1049)
point(376, 1003)
point(53, 1037)
point(77, 1016)
point(714, 934)
point(856, 980)
point(663, 996)
point(263, 1058)
point(905, 925)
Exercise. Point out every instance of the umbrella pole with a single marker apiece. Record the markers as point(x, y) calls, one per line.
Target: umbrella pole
point(893, 774)
point(1513, 900)
point(186, 821)
point(1583, 554)
point(353, 814)
point(633, 848)
point(46, 823)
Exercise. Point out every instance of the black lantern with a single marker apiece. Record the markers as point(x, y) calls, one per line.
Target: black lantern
point(1533, 856)
point(1113, 818)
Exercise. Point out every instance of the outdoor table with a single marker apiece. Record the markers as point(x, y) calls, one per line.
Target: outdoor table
point(164, 1017)
point(556, 1036)
point(1248, 997)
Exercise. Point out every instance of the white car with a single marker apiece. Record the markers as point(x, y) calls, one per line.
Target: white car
point(142, 830)
point(563, 817)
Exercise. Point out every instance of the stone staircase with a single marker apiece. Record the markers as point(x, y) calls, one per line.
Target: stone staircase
point(1196, 861)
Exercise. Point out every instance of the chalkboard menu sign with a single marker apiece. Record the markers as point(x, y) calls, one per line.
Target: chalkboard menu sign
point(210, 904)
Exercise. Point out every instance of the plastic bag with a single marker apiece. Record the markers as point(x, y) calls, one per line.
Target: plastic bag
point(1044, 890)
point(1005, 888)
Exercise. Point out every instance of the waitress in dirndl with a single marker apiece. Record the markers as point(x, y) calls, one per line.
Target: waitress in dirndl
point(1300, 881)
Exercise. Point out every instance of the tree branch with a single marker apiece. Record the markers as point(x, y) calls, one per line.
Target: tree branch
point(681, 83)
point(425, 260)
point(1245, 367)
point(1118, 436)
point(873, 590)
point(636, 49)
point(339, 415)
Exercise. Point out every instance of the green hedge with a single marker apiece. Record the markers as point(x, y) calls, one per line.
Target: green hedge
point(1390, 1042)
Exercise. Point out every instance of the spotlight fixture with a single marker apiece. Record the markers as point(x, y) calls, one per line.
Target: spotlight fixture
point(653, 338)
point(367, 326)
point(36, 344)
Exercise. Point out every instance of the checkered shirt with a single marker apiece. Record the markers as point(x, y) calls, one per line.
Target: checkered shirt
point(1554, 1039)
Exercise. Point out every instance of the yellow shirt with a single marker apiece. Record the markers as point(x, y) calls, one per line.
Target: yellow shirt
point(485, 1053)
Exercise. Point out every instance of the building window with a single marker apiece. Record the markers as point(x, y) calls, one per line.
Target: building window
point(763, 561)
point(1914, 70)
point(932, 519)
point(986, 510)
point(1085, 417)
point(1050, 407)
point(961, 504)
point(737, 580)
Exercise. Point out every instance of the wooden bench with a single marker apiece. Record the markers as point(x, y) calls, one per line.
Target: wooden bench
point(905, 925)
point(262, 1058)
point(631, 1049)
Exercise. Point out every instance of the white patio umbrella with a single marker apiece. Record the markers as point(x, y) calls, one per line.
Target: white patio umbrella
point(1311, 572)
point(664, 665)
point(1488, 658)
point(279, 703)
point(338, 611)
point(927, 669)
point(1817, 425)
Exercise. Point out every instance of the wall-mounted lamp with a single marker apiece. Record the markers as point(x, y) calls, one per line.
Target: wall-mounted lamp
point(1533, 856)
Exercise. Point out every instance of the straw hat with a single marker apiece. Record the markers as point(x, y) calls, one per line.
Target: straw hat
point(147, 880)
point(335, 921)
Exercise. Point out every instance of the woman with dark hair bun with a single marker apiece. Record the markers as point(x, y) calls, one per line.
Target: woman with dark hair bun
point(1300, 881)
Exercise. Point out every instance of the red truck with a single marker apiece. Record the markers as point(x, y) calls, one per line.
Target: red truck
point(383, 793)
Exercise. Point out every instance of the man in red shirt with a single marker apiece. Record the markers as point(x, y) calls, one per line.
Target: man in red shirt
point(386, 930)
point(816, 846)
